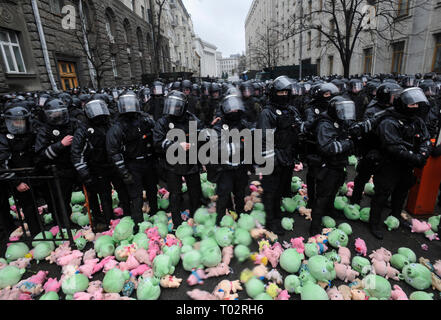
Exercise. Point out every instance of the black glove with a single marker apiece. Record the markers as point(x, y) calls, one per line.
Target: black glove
point(128, 178)
point(437, 151)
point(418, 160)
point(355, 131)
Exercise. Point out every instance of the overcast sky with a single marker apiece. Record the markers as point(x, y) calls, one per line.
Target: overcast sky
point(220, 22)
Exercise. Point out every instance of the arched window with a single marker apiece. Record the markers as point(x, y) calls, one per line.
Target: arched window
point(110, 25)
point(140, 44)
point(127, 32)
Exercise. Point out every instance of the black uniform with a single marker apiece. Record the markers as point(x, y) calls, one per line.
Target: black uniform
point(96, 171)
point(130, 145)
point(50, 151)
point(405, 145)
point(155, 107)
point(276, 185)
point(174, 173)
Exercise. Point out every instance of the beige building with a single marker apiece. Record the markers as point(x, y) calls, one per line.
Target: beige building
point(415, 48)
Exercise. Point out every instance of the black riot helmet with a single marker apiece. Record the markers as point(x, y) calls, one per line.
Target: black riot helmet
point(342, 110)
point(247, 89)
point(128, 103)
point(42, 99)
point(195, 90)
point(205, 89)
point(175, 104)
point(157, 88)
point(429, 88)
point(56, 112)
point(101, 96)
point(96, 108)
point(186, 84)
point(387, 93)
point(355, 86)
point(297, 90)
point(410, 100)
point(66, 98)
point(408, 82)
point(215, 88)
point(232, 106)
point(339, 84)
point(176, 86)
point(145, 95)
point(17, 120)
point(371, 88)
point(324, 92)
point(280, 91)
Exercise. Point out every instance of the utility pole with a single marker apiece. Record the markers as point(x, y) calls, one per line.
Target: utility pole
point(301, 39)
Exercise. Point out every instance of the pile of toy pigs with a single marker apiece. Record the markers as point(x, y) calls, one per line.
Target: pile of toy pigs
point(139, 266)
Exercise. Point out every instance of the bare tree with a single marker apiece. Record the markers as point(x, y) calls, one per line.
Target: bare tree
point(342, 24)
point(264, 50)
point(157, 38)
point(99, 50)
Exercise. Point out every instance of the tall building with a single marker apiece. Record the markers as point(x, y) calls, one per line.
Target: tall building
point(415, 48)
point(207, 53)
point(230, 65)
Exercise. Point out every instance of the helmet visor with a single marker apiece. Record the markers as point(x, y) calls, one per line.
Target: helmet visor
point(157, 90)
point(282, 83)
point(345, 110)
point(42, 101)
point(57, 117)
point(128, 104)
point(174, 106)
point(96, 108)
point(413, 96)
point(329, 87)
point(16, 125)
point(357, 87)
point(232, 104)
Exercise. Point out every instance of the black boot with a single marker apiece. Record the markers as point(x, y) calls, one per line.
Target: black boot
point(136, 210)
point(376, 232)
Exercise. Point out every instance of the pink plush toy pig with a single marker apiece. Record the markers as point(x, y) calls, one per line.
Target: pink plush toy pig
point(398, 293)
point(381, 254)
point(140, 270)
point(420, 226)
point(39, 278)
point(101, 265)
point(88, 267)
point(334, 294)
point(55, 230)
point(22, 263)
point(201, 295)
point(196, 277)
point(52, 285)
point(283, 295)
point(82, 296)
point(345, 273)
point(345, 255)
point(130, 264)
point(360, 247)
point(70, 259)
point(227, 254)
point(119, 212)
point(142, 256)
point(219, 271)
point(273, 254)
point(298, 244)
point(298, 167)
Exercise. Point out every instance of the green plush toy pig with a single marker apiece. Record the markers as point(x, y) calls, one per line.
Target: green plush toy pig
point(254, 287)
point(10, 276)
point(148, 289)
point(16, 251)
point(224, 237)
point(174, 252)
point(243, 237)
point(241, 252)
point(290, 260)
point(162, 266)
point(192, 260)
point(104, 246)
point(114, 280)
point(311, 291)
point(73, 284)
point(338, 238)
point(124, 230)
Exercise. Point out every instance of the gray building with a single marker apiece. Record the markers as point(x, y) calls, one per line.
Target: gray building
point(416, 47)
point(44, 46)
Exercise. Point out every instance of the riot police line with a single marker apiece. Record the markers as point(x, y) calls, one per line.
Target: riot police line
point(117, 139)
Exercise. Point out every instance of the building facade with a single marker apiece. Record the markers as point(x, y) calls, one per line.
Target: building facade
point(230, 65)
point(207, 52)
point(415, 48)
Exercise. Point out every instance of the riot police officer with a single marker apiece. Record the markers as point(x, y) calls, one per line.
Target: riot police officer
point(130, 146)
point(232, 173)
point(250, 103)
point(53, 146)
point(334, 146)
point(278, 116)
point(356, 94)
point(156, 103)
point(17, 151)
point(369, 145)
point(405, 145)
point(177, 117)
point(94, 168)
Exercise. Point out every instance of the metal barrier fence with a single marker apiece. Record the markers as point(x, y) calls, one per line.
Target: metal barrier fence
point(51, 188)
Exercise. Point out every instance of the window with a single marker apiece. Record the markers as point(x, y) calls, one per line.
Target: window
point(368, 60)
point(437, 56)
point(318, 62)
point(133, 5)
point(309, 40)
point(143, 12)
point(397, 57)
point(403, 8)
point(114, 68)
point(331, 64)
point(56, 6)
point(11, 51)
point(109, 29)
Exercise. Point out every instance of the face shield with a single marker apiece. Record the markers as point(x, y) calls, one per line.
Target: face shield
point(246, 92)
point(42, 101)
point(157, 90)
point(128, 104)
point(174, 106)
point(357, 87)
point(232, 104)
point(413, 96)
point(96, 108)
point(57, 117)
point(282, 83)
point(345, 111)
point(16, 124)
